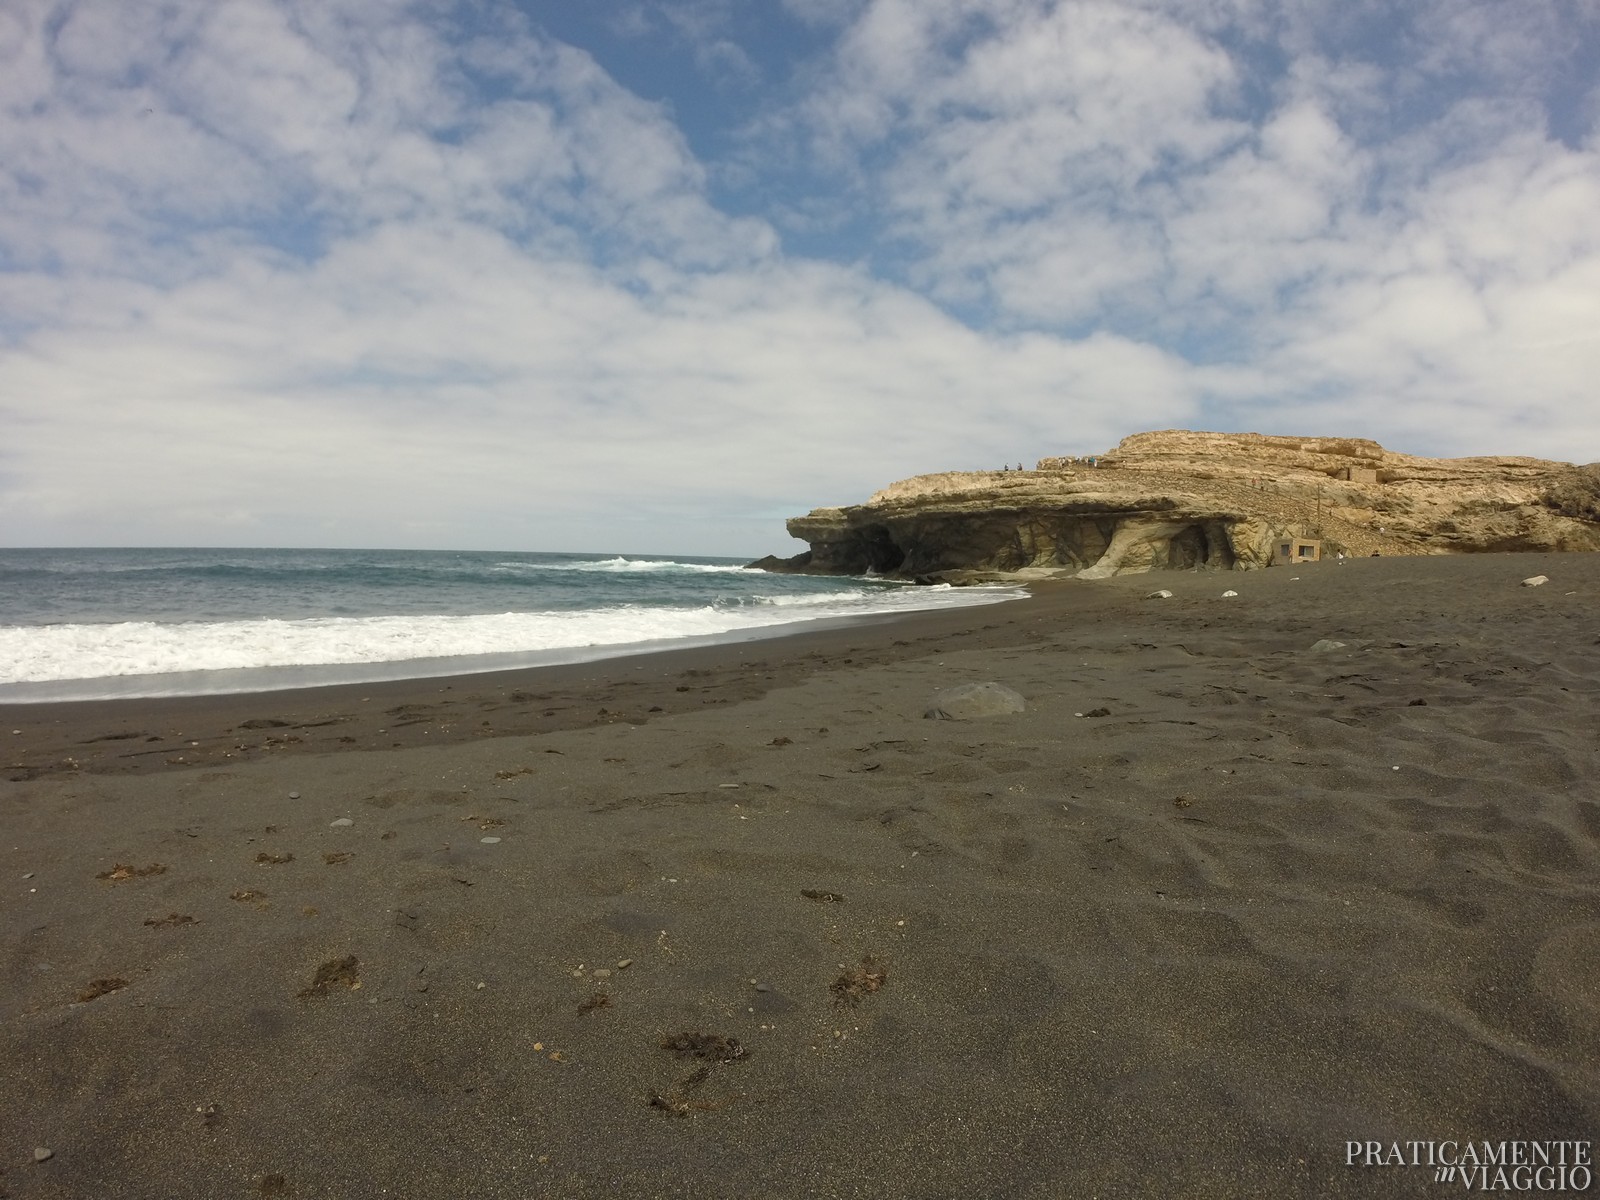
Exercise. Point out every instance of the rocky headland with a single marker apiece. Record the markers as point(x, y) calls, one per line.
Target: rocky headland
point(1178, 499)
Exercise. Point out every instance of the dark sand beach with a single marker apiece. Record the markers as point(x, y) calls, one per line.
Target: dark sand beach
point(1213, 906)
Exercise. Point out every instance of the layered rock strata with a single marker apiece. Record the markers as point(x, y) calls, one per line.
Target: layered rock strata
point(1178, 499)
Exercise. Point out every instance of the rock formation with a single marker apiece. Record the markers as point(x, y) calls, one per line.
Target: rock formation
point(1178, 499)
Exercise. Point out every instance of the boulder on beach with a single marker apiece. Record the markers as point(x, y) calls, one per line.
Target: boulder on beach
point(968, 700)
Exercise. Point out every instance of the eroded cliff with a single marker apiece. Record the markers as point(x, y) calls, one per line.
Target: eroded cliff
point(1181, 499)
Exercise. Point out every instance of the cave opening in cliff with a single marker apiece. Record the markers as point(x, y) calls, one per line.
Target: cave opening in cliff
point(1200, 546)
point(882, 556)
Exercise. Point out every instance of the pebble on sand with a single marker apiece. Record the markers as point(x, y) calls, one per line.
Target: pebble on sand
point(1159, 594)
point(41, 1153)
point(1229, 592)
point(1535, 580)
point(294, 795)
point(489, 841)
point(341, 823)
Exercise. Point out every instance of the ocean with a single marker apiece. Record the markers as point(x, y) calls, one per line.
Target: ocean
point(102, 624)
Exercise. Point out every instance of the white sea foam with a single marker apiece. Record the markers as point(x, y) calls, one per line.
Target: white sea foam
point(34, 654)
point(624, 566)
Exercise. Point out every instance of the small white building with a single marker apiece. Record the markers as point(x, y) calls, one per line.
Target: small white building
point(1286, 551)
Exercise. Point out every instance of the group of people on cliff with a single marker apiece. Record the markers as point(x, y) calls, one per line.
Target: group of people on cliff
point(1077, 460)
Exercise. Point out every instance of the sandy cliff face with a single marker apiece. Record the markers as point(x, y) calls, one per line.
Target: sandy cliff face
point(1181, 499)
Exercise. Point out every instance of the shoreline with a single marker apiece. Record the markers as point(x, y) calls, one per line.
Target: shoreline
point(630, 688)
point(518, 699)
point(317, 671)
point(216, 682)
point(1214, 905)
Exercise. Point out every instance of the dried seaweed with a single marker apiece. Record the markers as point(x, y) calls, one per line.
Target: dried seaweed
point(170, 919)
point(710, 1047)
point(336, 972)
point(857, 982)
point(120, 872)
point(100, 987)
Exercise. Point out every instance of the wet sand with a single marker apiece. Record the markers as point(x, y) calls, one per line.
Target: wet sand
point(1214, 905)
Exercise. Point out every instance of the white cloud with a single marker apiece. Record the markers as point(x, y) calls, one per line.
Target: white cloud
point(257, 111)
point(279, 271)
point(1514, 45)
point(444, 369)
point(1026, 141)
point(705, 27)
point(1332, 228)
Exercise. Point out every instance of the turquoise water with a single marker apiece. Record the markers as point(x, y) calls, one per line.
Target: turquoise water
point(98, 623)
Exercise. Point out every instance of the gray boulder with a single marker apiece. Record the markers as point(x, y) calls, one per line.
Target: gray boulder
point(968, 700)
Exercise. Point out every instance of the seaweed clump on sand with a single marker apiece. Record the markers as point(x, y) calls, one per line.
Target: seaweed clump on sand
point(169, 920)
point(857, 982)
point(706, 1046)
point(100, 987)
point(336, 972)
point(121, 872)
point(709, 1049)
point(678, 1101)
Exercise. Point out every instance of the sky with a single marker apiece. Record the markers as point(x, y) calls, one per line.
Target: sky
point(654, 275)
